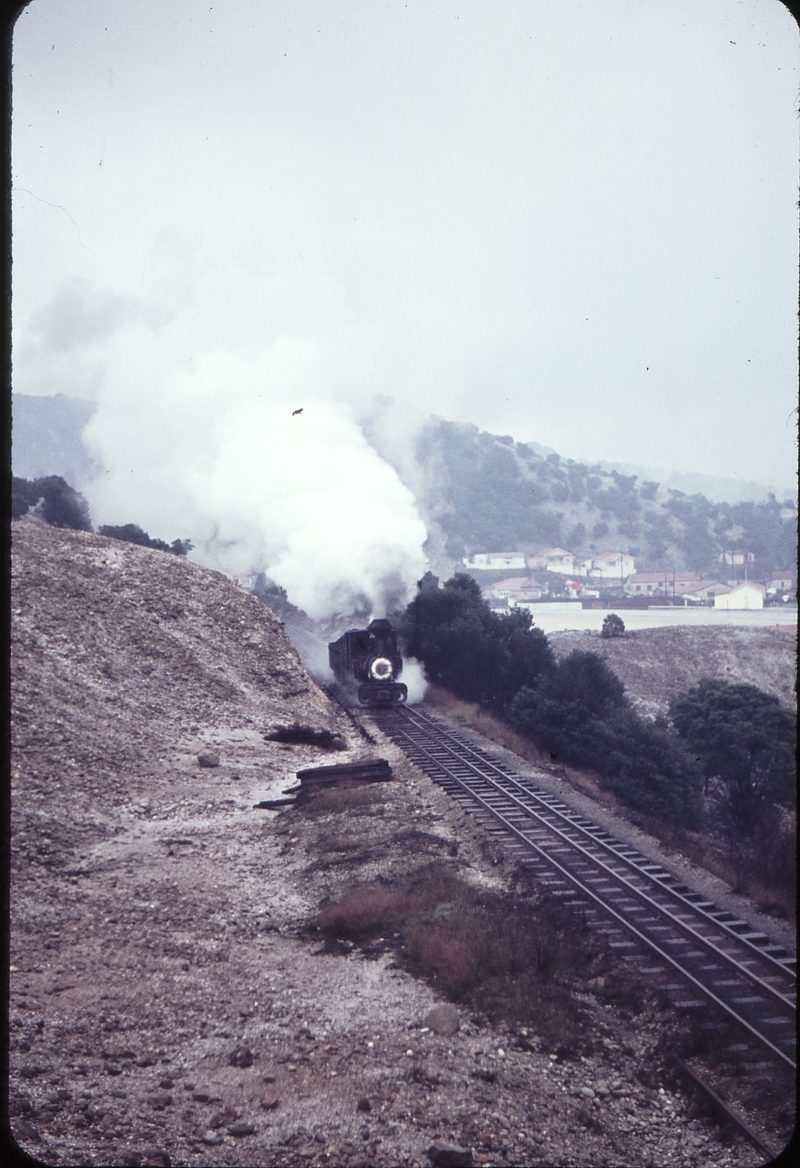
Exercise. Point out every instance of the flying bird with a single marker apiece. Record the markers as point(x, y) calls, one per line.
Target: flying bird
point(294, 412)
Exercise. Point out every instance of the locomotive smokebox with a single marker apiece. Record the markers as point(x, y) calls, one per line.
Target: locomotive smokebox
point(367, 664)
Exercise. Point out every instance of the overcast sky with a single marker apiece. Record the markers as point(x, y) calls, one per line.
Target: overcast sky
point(570, 222)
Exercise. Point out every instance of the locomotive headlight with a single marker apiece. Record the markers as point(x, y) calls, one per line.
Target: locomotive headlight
point(380, 669)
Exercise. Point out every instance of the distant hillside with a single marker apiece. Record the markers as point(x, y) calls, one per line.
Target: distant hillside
point(483, 492)
point(489, 493)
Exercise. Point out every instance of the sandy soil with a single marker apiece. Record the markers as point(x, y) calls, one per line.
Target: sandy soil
point(169, 1002)
point(656, 665)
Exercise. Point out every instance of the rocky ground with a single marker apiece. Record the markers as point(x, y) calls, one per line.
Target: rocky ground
point(655, 665)
point(170, 1000)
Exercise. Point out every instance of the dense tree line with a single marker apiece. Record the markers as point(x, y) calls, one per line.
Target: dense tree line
point(725, 759)
point(579, 713)
point(576, 709)
point(60, 505)
point(131, 533)
point(477, 654)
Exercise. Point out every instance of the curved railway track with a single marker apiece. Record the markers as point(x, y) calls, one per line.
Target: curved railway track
point(699, 953)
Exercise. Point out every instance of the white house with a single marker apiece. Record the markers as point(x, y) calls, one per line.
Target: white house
point(734, 556)
point(492, 561)
point(747, 595)
point(553, 559)
point(608, 566)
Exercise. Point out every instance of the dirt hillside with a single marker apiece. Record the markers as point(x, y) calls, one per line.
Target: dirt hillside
point(656, 665)
point(170, 1003)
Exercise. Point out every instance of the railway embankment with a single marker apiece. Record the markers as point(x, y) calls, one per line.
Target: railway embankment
point(197, 981)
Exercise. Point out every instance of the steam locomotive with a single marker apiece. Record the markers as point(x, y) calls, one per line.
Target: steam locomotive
point(369, 662)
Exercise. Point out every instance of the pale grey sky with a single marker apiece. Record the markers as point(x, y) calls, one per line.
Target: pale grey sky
point(571, 222)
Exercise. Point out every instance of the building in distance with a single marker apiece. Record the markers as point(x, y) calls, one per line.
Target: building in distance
point(746, 595)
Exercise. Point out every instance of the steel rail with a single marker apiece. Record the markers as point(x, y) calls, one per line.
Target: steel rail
point(642, 896)
point(726, 1112)
point(681, 899)
point(602, 905)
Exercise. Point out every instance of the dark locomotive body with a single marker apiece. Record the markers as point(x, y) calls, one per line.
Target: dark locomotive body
point(368, 662)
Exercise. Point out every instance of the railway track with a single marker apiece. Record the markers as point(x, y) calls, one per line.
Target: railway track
point(694, 951)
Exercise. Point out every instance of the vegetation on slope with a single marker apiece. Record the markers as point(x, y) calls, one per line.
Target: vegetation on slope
point(576, 710)
point(492, 493)
point(723, 761)
point(60, 505)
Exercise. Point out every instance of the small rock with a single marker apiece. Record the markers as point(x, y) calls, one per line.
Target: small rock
point(208, 758)
point(211, 1138)
point(200, 1096)
point(364, 1105)
point(448, 1156)
point(155, 1158)
point(443, 1019)
point(166, 1082)
point(588, 1092)
point(241, 1129)
point(113, 1069)
point(270, 1102)
point(131, 1159)
point(188, 1086)
point(270, 1077)
point(26, 1131)
point(159, 1100)
point(242, 1056)
point(147, 1061)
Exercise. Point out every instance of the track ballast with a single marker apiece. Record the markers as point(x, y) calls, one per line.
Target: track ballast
point(699, 953)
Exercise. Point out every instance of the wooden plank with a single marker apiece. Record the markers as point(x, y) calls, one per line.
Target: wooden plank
point(377, 770)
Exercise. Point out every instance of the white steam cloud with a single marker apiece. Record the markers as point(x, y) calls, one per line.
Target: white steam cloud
point(414, 677)
point(228, 406)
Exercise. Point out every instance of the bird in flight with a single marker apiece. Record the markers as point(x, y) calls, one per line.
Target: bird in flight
point(294, 412)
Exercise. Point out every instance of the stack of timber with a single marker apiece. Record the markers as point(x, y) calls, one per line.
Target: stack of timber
point(314, 779)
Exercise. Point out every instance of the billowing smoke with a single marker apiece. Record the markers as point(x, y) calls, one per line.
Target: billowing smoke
point(228, 405)
point(414, 678)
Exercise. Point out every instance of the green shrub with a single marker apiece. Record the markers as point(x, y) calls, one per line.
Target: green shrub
point(54, 499)
point(477, 654)
point(579, 714)
point(613, 626)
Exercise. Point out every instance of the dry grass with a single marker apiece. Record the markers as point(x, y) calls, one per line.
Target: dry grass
point(339, 843)
point(345, 797)
point(471, 714)
point(508, 959)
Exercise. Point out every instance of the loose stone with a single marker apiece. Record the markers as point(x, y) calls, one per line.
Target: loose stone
point(241, 1129)
point(448, 1156)
point(269, 1102)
